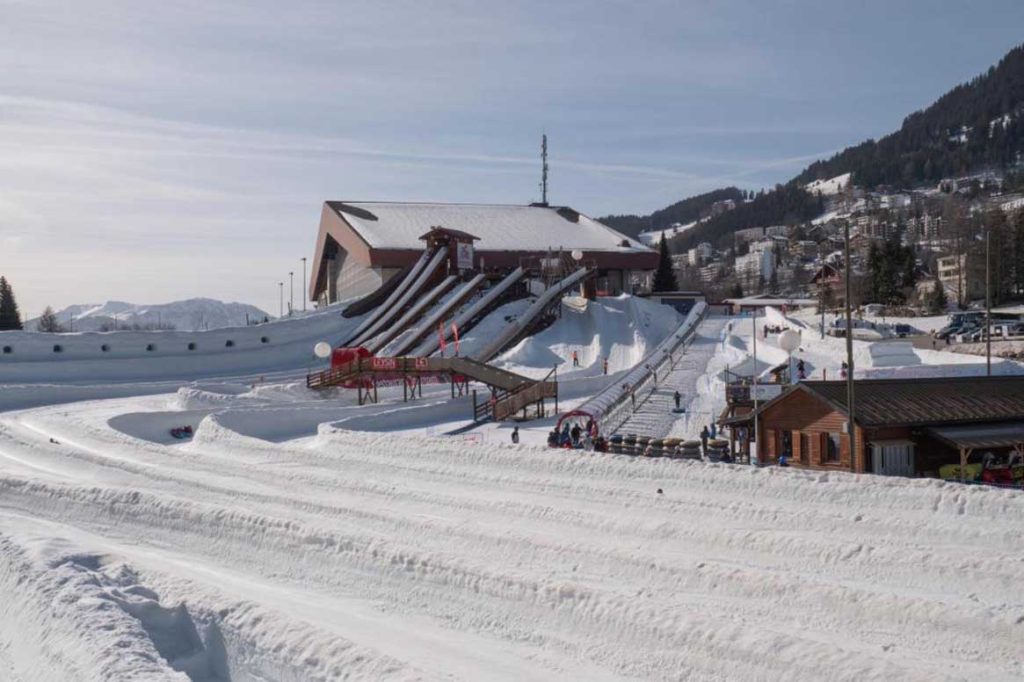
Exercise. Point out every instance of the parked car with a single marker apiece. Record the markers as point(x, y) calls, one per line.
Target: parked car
point(904, 330)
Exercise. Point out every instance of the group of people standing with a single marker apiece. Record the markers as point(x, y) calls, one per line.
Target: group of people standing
point(573, 435)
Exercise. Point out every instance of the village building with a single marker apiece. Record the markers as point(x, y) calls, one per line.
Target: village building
point(963, 275)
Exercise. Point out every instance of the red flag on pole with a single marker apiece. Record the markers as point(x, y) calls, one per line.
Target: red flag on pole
point(440, 335)
point(455, 335)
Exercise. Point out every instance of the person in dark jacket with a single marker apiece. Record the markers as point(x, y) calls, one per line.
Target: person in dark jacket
point(704, 435)
point(677, 397)
point(515, 435)
point(576, 433)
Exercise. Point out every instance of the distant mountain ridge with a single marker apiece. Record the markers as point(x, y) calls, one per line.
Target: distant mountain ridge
point(193, 314)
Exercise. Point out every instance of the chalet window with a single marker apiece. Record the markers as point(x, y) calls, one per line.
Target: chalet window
point(787, 443)
point(830, 447)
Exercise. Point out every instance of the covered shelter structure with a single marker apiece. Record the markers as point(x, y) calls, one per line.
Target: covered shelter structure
point(362, 244)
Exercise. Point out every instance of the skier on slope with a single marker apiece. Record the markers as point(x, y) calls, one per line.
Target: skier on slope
point(515, 435)
point(677, 397)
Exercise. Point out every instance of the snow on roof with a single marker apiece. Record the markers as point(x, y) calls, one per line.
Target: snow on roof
point(392, 225)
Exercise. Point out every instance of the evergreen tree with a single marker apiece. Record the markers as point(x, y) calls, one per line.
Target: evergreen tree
point(1018, 255)
point(935, 300)
point(10, 318)
point(665, 276)
point(826, 298)
point(48, 322)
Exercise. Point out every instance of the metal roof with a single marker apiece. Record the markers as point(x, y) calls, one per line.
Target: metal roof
point(399, 225)
point(980, 435)
point(927, 401)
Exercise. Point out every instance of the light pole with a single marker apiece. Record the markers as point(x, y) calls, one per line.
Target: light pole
point(280, 302)
point(851, 429)
point(304, 294)
point(291, 293)
point(988, 301)
point(754, 456)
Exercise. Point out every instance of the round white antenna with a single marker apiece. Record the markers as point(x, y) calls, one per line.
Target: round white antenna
point(789, 340)
point(322, 349)
point(577, 255)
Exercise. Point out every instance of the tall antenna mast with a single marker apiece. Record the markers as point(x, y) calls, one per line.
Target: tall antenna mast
point(544, 169)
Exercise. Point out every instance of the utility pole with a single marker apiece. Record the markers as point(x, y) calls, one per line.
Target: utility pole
point(544, 170)
point(988, 301)
point(850, 427)
point(755, 459)
point(305, 295)
point(291, 293)
point(280, 302)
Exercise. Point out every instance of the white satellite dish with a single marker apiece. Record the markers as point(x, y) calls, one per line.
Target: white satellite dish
point(322, 349)
point(577, 255)
point(789, 340)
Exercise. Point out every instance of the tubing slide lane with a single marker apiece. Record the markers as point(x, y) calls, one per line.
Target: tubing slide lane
point(392, 297)
point(385, 337)
point(414, 288)
point(378, 295)
point(464, 320)
point(519, 325)
point(427, 326)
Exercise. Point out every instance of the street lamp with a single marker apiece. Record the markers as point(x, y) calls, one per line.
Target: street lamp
point(280, 302)
point(304, 294)
point(988, 301)
point(789, 341)
point(848, 266)
point(291, 293)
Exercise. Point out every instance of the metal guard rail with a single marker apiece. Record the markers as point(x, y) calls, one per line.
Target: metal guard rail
point(613, 406)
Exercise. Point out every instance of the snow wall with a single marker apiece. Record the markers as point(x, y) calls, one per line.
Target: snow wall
point(129, 355)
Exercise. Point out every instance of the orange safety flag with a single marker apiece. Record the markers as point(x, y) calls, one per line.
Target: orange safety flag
point(440, 335)
point(455, 335)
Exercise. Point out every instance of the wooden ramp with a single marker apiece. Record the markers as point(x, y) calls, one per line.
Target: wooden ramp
point(510, 396)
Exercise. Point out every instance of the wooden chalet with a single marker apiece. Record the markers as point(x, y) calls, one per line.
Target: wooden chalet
point(908, 427)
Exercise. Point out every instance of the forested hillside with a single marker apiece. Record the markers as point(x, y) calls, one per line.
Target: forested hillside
point(685, 211)
point(975, 126)
point(786, 204)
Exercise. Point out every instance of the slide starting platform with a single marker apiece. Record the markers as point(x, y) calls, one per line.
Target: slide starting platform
point(510, 395)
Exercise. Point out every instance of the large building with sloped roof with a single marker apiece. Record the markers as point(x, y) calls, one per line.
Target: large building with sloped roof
point(360, 245)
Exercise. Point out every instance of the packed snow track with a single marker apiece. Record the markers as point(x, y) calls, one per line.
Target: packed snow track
point(365, 556)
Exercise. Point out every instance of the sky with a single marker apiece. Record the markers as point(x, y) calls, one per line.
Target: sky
point(151, 152)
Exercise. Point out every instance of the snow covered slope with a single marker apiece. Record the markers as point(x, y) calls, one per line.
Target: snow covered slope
point(378, 557)
point(831, 186)
point(193, 314)
point(622, 329)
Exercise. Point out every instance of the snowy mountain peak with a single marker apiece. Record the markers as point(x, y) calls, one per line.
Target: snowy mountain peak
point(193, 314)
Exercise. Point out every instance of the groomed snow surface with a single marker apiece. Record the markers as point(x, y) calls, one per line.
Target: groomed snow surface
point(298, 536)
point(372, 556)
